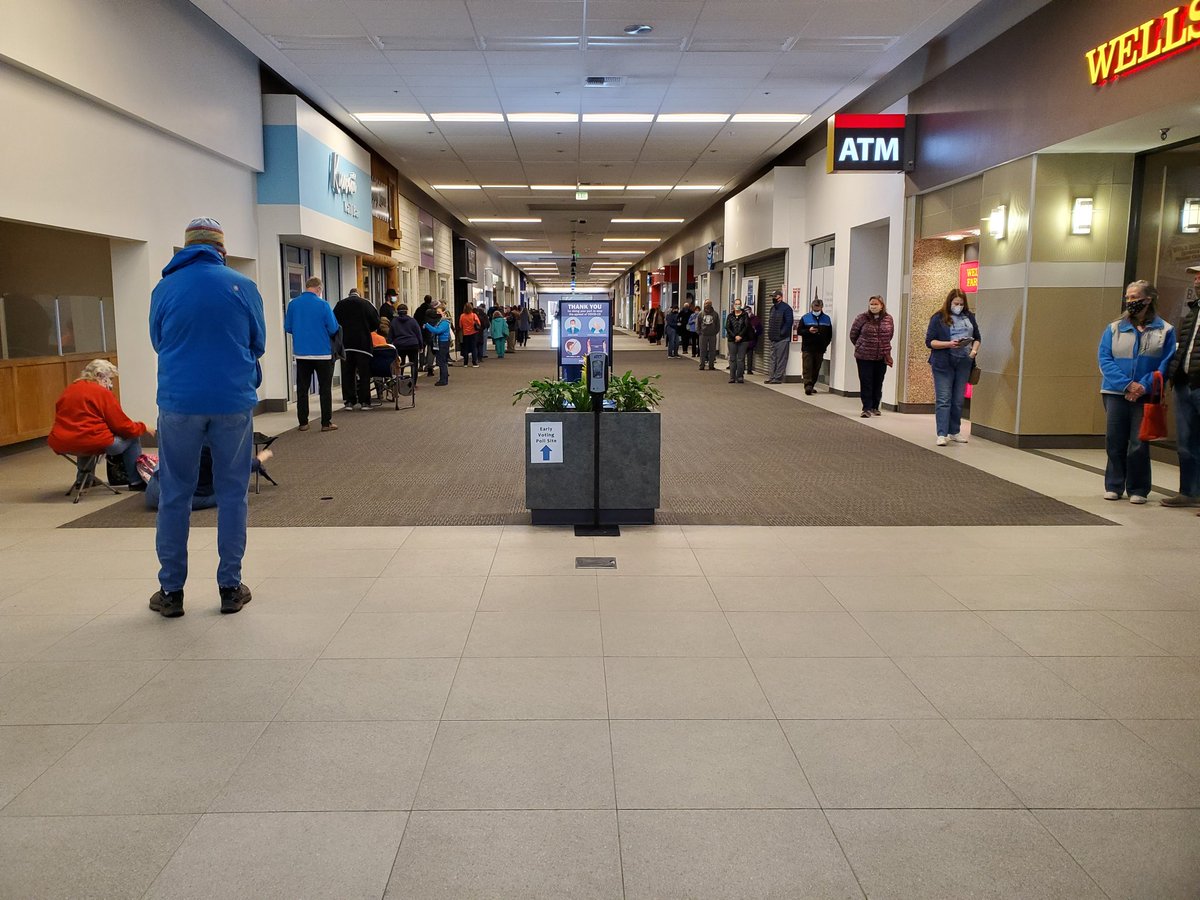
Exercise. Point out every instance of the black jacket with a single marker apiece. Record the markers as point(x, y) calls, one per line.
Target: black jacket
point(738, 326)
point(406, 333)
point(358, 319)
point(421, 311)
point(709, 322)
point(820, 341)
point(1183, 334)
point(779, 327)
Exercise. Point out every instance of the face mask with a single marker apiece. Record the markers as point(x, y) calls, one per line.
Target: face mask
point(956, 308)
point(1133, 307)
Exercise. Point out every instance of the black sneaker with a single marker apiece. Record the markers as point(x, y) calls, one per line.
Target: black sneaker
point(168, 604)
point(234, 598)
point(135, 486)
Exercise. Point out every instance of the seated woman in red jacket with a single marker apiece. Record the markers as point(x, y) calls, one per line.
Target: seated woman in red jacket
point(89, 421)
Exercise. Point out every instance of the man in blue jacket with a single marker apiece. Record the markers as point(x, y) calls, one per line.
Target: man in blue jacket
point(311, 323)
point(206, 324)
point(779, 330)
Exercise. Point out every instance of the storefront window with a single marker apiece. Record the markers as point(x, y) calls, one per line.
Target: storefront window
point(41, 325)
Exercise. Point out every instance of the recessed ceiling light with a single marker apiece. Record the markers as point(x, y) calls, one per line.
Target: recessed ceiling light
point(456, 187)
point(618, 118)
point(698, 187)
point(769, 117)
point(499, 221)
point(692, 117)
point(552, 187)
point(631, 240)
point(543, 117)
point(648, 187)
point(392, 117)
point(467, 117)
point(643, 221)
point(639, 29)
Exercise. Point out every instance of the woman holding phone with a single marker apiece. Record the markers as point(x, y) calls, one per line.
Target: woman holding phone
point(953, 340)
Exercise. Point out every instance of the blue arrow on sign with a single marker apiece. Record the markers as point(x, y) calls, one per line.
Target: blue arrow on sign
point(546, 452)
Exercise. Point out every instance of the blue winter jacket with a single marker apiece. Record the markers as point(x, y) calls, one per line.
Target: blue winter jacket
point(780, 324)
point(206, 324)
point(440, 331)
point(940, 331)
point(310, 322)
point(1127, 354)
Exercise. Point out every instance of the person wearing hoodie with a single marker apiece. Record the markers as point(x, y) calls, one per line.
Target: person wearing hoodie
point(208, 329)
point(359, 319)
point(738, 334)
point(310, 322)
point(499, 332)
point(709, 325)
point(406, 337)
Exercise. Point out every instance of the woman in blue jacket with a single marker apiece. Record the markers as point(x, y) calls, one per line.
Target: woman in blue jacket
point(953, 341)
point(1132, 349)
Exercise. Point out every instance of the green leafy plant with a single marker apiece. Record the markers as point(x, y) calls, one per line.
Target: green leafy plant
point(545, 395)
point(633, 394)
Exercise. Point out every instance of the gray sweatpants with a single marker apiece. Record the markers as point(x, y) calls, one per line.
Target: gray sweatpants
point(708, 350)
point(779, 358)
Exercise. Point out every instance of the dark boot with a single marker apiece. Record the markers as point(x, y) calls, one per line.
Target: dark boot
point(234, 598)
point(168, 604)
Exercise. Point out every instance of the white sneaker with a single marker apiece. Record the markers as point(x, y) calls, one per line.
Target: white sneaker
point(1135, 499)
point(1111, 495)
point(941, 441)
point(958, 439)
point(347, 406)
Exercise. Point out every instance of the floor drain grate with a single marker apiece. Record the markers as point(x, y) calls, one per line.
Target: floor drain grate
point(595, 562)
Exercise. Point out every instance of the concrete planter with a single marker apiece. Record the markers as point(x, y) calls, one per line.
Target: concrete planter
point(630, 455)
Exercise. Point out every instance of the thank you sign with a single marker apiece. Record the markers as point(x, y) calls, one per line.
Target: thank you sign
point(586, 328)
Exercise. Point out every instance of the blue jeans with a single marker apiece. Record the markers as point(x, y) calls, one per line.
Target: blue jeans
point(480, 345)
point(180, 437)
point(443, 362)
point(154, 491)
point(672, 342)
point(949, 386)
point(129, 449)
point(1128, 468)
point(1187, 439)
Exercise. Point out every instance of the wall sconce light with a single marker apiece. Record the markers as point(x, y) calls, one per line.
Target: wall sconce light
point(1081, 216)
point(998, 222)
point(1189, 221)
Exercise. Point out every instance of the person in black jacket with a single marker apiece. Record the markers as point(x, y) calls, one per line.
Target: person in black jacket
point(419, 317)
point(358, 319)
point(406, 338)
point(739, 333)
point(779, 330)
point(816, 334)
point(387, 309)
point(1184, 374)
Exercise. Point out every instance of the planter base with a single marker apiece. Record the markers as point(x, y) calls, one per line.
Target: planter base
point(584, 516)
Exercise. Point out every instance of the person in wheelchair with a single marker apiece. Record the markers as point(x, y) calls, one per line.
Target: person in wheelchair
point(385, 372)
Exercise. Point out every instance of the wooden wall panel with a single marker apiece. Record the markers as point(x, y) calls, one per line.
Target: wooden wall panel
point(8, 408)
point(29, 389)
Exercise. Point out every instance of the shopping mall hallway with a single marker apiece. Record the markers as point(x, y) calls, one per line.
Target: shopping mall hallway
point(985, 682)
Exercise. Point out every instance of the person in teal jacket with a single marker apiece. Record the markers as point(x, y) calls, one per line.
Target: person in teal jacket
point(438, 330)
point(499, 330)
point(206, 325)
point(1132, 349)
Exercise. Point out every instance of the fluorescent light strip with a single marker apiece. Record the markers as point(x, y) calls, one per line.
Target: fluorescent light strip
point(618, 118)
point(552, 187)
point(456, 187)
point(543, 117)
point(467, 117)
point(392, 117)
point(648, 187)
point(769, 117)
point(634, 252)
point(697, 118)
point(505, 221)
point(631, 240)
point(499, 187)
point(601, 187)
point(644, 221)
point(511, 240)
point(698, 187)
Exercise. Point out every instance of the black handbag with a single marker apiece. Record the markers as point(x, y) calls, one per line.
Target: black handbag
point(973, 378)
point(337, 345)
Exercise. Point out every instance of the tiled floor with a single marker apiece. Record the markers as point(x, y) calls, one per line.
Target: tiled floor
point(733, 712)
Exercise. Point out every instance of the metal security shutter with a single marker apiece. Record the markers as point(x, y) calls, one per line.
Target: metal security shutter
point(771, 271)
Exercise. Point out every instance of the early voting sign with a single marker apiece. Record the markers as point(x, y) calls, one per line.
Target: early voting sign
point(545, 442)
point(586, 327)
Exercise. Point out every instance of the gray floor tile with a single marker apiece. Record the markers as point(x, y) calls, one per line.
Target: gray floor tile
point(214, 690)
point(664, 561)
point(1133, 854)
point(996, 687)
point(26, 751)
point(558, 559)
point(936, 634)
point(657, 633)
point(1128, 591)
point(308, 596)
point(888, 592)
point(1176, 632)
point(266, 637)
point(678, 688)
point(1133, 687)
point(497, 855)
point(371, 690)
point(322, 766)
point(333, 563)
point(1070, 633)
point(953, 854)
point(1176, 739)
point(63, 693)
point(87, 856)
point(173, 768)
point(540, 688)
point(25, 637)
point(724, 563)
point(840, 689)
point(730, 854)
point(400, 636)
point(76, 596)
point(544, 633)
point(125, 637)
point(424, 593)
point(706, 765)
point(283, 856)
point(770, 593)
point(538, 592)
point(1007, 592)
point(1077, 764)
point(898, 763)
point(802, 634)
point(634, 593)
point(519, 765)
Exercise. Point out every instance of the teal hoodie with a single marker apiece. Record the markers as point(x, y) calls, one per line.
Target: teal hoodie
point(206, 324)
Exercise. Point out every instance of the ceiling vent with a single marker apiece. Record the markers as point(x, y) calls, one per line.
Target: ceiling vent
point(603, 81)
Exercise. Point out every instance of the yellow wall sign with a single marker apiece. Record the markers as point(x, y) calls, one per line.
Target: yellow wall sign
point(1176, 30)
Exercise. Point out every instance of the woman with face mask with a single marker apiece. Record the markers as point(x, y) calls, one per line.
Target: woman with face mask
point(871, 335)
point(1132, 349)
point(953, 341)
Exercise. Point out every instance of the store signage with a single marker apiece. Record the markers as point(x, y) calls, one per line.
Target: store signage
point(380, 208)
point(344, 185)
point(968, 277)
point(859, 143)
point(585, 329)
point(1176, 30)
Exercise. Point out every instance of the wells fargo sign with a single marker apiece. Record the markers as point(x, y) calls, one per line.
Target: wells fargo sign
point(1176, 30)
point(968, 277)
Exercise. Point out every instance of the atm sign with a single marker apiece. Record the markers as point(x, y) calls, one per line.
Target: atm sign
point(968, 277)
point(860, 143)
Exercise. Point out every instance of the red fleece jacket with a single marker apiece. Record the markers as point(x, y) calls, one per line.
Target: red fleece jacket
point(86, 417)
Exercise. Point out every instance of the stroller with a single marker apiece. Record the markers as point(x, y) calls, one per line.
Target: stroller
point(388, 377)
